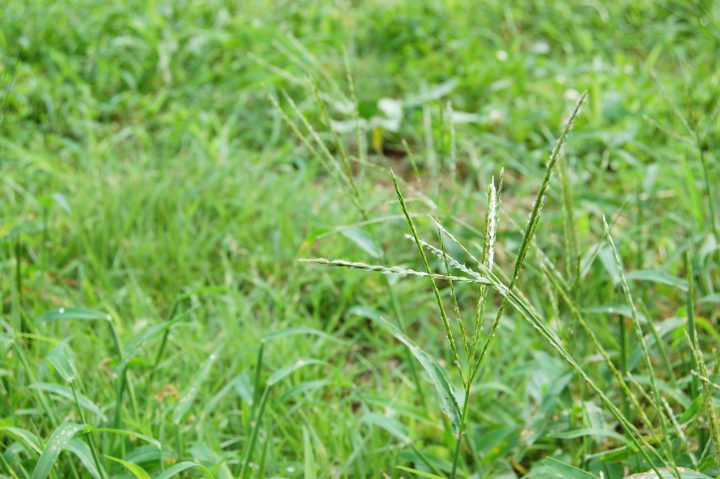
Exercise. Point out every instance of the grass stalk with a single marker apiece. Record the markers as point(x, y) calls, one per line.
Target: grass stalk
point(244, 473)
point(456, 307)
point(91, 441)
point(532, 224)
point(426, 265)
point(641, 338)
point(691, 333)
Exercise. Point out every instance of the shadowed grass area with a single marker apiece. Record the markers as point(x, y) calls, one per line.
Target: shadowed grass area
point(164, 165)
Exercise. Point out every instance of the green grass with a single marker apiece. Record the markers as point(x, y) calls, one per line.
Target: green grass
point(164, 166)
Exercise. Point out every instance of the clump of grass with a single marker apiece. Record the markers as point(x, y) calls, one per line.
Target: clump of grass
point(468, 351)
point(474, 353)
point(154, 321)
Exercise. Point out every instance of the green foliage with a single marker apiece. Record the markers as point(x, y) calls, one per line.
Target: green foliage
point(154, 202)
point(59, 439)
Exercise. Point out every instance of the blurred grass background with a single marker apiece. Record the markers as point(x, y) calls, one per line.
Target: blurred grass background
point(141, 159)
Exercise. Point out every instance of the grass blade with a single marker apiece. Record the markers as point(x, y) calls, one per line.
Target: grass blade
point(288, 369)
point(29, 440)
point(638, 330)
point(137, 471)
point(182, 467)
point(532, 225)
point(78, 447)
point(62, 314)
point(188, 397)
point(446, 395)
point(419, 473)
point(60, 360)
point(436, 291)
point(57, 442)
point(310, 466)
point(552, 468)
point(691, 333)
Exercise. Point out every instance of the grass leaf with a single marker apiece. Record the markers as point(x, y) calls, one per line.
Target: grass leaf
point(78, 447)
point(390, 424)
point(438, 376)
point(669, 474)
point(310, 466)
point(66, 392)
point(288, 369)
point(181, 467)
point(553, 469)
point(658, 277)
point(137, 471)
point(25, 437)
point(419, 473)
point(188, 397)
point(61, 314)
point(57, 442)
point(60, 360)
point(133, 434)
point(362, 241)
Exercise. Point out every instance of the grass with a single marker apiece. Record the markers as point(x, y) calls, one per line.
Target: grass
point(165, 166)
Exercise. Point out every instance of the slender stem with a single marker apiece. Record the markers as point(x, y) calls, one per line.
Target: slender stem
point(254, 434)
point(258, 368)
point(25, 324)
point(623, 359)
point(424, 459)
point(91, 442)
point(436, 291)
point(712, 418)
point(461, 431)
point(123, 374)
point(456, 306)
point(119, 397)
point(163, 342)
point(691, 328)
point(641, 338)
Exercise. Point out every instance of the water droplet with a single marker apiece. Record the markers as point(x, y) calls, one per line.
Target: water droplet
point(61, 310)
